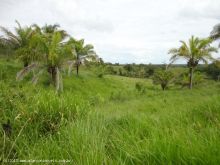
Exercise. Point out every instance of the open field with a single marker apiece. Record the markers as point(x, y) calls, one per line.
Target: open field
point(108, 121)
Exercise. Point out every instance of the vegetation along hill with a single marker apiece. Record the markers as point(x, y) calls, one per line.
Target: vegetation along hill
point(60, 101)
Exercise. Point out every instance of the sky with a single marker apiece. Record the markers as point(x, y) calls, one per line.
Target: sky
point(122, 31)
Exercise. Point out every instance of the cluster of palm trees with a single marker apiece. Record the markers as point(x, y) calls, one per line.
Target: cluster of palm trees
point(45, 49)
point(49, 48)
point(195, 51)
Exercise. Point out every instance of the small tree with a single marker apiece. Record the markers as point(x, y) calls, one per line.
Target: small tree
point(163, 78)
point(82, 52)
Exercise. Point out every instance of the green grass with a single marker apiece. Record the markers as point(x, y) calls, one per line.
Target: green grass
point(107, 121)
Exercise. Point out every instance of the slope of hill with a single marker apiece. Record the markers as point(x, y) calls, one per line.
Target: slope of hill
point(108, 121)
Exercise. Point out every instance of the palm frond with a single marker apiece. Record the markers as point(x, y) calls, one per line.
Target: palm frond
point(37, 76)
point(19, 25)
point(215, 33)
point(13, 39)
point(196, 50)
point(59, 80)
point(21, 74)
point(70, 66)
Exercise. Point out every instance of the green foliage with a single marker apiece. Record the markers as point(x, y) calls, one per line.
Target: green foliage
point(197, 50)
point(82, 52)
point(134, 70)
point(213, 70)
point(215, 33)
point(20, 43)
point(46, 49)
point(110, 70)
point(183, 79)
point(100, 120)
point(96, 121)
point(100, 70)
point(140, 87)
point(163, 77)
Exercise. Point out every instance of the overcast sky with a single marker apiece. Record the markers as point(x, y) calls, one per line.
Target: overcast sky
point(125, 31)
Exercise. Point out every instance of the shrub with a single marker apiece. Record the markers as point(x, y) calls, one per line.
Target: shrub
point(140, 87)
point(118, 96)
point(183, 79)
point(163, 77)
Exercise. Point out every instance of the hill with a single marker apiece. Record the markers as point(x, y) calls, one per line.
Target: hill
point(108, 120)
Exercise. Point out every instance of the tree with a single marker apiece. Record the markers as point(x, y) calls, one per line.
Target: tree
point(215, 33)
point(54, 52)
point(213, 70)
point(195, 51)
point(82, 52)
point(163, 77)
point(19, 42)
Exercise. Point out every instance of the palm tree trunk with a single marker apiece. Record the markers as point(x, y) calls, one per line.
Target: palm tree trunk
point(25, 64)
point(163, 87)
point(53, 75)
point(77, 69)
point(190, 77)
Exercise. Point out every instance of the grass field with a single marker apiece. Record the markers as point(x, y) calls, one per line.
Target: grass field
point(107, 121)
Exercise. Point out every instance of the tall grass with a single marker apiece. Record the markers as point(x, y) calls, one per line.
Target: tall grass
point(109, 121)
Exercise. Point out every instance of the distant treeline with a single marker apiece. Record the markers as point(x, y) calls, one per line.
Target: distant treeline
point(212, 70)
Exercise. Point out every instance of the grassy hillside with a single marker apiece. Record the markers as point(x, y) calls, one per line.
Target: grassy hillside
point(108, 121)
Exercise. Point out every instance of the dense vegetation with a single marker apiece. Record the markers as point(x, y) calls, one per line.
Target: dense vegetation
point(105, 114)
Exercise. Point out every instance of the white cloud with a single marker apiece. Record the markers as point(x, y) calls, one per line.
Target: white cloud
point(122, 31)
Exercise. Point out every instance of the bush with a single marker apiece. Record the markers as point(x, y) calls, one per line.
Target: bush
point(163, 77)
point(213, 70)
point(118, 96)
point(140, 87)
point(100, 70)
point(183, 79)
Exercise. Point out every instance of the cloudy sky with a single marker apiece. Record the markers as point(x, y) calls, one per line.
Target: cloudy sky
point(125, 31)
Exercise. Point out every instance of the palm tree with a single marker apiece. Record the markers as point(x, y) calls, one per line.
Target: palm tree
point(54, 52)
point(215, 33)
point(197, 50)
point(19, 42)
point(82, 52)
point(163, 77)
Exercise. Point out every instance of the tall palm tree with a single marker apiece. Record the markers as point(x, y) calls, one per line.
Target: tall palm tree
point(194, 51)
point(82, 52)
point(19, 42)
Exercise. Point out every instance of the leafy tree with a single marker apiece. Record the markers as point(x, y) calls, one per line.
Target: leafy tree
point(213, 70)
point(163, 77)
point(128, 67)
point(110, 69)
point(150, 71)
point(195, 51)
